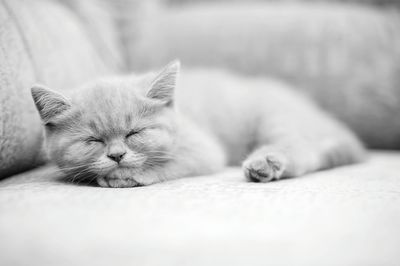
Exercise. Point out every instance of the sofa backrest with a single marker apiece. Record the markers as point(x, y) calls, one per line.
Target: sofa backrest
point(346, 56)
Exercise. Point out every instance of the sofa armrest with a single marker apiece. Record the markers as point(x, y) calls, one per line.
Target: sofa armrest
point(42, 42)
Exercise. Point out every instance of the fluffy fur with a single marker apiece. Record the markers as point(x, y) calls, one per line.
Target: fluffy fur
point(139, 130)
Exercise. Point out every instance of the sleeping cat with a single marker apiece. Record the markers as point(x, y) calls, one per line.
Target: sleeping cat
point(138, 130)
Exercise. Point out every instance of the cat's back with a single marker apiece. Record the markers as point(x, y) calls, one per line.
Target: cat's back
point(216, 94)
point(231, 106)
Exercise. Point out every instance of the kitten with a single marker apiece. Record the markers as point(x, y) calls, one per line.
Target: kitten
point(138, 130)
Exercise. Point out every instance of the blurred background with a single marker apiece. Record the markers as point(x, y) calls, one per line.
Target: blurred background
point(343, 53)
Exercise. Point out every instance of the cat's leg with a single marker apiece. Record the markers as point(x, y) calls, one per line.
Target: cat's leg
point(297, 151)
point(204, 157)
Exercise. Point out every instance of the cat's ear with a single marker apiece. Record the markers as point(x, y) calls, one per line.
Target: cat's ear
point(163, 86)
point(48, 102)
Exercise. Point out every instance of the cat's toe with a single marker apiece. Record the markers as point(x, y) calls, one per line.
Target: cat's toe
point(101, 181)
point(116, 182)
point(264, 168)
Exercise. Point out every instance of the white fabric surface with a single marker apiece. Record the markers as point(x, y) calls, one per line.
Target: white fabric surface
point(346, 216)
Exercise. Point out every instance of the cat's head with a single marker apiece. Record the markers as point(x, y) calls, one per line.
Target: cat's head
point(115, 128)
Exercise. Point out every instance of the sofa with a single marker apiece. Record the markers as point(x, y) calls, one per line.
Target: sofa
point(343, 54)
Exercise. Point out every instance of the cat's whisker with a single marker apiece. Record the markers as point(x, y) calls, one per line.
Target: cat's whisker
point(75, 167)
point(76, 171)
point(93, 178)
point(160, 152)
point(82, 172)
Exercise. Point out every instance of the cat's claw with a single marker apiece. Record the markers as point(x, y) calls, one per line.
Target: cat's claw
point(264, 168)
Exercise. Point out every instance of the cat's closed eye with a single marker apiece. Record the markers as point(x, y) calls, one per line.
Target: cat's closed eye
point(50, 126)
point(94, 140)
point(133, 132)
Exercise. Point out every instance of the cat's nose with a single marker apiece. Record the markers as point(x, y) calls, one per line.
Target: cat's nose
point(116, 156)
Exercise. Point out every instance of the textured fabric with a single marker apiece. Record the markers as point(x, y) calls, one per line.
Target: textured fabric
point(345, 56)
point(385, 3)
point(45, 42)
point(346, 216)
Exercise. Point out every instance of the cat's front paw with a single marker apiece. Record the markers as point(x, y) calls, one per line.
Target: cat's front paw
point(264, 168)
point(116, 182)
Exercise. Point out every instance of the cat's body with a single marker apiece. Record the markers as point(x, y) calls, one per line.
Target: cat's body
point(210, 119)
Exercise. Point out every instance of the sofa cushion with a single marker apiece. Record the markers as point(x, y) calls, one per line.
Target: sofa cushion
point(46, 42)
point(345, 216)
point(347, 57)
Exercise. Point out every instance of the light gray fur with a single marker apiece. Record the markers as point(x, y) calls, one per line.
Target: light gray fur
point(171, 128)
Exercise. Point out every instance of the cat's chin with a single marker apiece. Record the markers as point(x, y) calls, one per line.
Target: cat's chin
point(116, 182)
point(118, 178)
